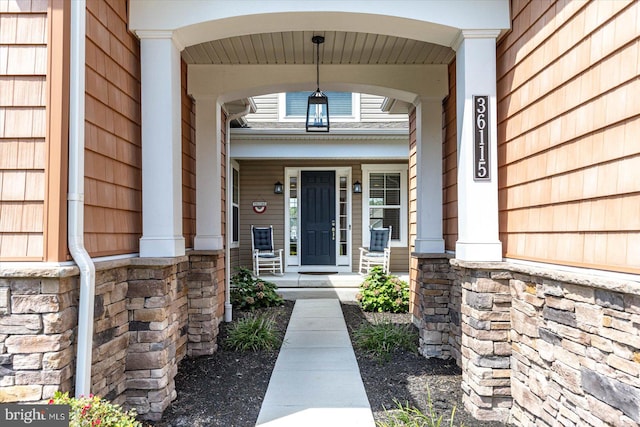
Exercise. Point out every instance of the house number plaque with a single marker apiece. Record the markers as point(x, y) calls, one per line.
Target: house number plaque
point(481, 138)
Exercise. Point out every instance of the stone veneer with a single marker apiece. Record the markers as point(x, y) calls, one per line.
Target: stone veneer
point(149, 313)
point(438, 307)
point(537, 346)
point(38, 320)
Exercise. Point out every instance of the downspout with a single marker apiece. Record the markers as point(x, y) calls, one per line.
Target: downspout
point(75, 199)
point(228, 309)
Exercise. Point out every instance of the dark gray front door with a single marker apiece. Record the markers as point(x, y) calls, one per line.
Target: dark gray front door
point(318, 218)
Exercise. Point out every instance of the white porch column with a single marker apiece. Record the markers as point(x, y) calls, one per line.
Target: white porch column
point(208, 174)
point(161, 146)
point(429, 176)
point(478, 238)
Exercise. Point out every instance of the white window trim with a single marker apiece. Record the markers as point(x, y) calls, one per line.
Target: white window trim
point(234, 165)
point(355, 109)
point(403, 169)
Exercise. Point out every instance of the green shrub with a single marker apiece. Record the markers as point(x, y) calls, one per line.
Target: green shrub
point(248, 292)
point(253, 332)
point(407, 416)
point(383, 292)
point(93, 411)
point(381, 339)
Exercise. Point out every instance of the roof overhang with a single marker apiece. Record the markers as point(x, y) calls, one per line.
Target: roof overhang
point(387, 144)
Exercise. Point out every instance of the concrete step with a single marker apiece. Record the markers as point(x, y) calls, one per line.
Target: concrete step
point(343, 294)
point(342, 286)
point(337, 280)
point(301, 280)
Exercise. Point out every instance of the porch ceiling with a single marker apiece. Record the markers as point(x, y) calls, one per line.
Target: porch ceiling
point(295, 47)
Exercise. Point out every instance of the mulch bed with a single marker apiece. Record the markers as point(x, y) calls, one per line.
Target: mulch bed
point(227, 388)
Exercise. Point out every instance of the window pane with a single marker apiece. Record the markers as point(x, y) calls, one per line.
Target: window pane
point(376, 223)
point(392, 218)
point(236, 186)
point(392, 180)
point(392, 197)
point(293, 216)
point(236, 228)
point(340, 103)
point(376, 180)
point(376, 213)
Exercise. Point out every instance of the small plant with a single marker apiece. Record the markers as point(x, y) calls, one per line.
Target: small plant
point(383, 292)
point(407, 416)
point(93, 411)
point(253, 332)
point(248, 292)
point(381, 339)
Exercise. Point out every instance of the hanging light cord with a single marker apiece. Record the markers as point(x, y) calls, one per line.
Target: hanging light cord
point(318, 67)
point(318, 40)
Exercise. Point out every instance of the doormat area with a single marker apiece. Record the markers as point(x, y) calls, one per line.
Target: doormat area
point(320, 273)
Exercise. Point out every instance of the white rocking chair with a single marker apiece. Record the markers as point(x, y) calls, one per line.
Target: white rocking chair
point(378, 252)
point(265, 257)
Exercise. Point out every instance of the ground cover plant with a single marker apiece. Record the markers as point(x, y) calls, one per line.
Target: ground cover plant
point(383, 292)
point(249, 292)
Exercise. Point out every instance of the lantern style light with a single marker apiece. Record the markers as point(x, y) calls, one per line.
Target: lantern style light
point(357, 187)
point(318, 103)
point(277, 188)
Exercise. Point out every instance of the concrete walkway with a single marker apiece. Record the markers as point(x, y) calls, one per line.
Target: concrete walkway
point(316, 380)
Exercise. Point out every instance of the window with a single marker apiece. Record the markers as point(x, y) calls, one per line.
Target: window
point(235, 205)
point(343, 106)
point(385, 201)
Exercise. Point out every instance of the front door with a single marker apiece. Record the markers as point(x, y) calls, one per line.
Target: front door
point(318, 218)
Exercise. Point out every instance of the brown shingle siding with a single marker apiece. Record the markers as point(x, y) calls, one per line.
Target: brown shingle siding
point(188, 162)
point(23, 69)
point(569, 160)
point(450, 164)
point(113, 205)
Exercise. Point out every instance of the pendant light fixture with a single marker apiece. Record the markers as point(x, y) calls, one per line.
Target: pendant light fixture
point(318, 103)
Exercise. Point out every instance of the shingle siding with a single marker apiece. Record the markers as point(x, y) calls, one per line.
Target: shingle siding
point(568, 151)
point(23, 69)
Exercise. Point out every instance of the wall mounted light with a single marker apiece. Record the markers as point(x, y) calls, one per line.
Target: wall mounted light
point(318, 103)
point(277, 188)
point(357, 187)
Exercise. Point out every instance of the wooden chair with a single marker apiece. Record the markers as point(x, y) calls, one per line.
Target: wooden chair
point(378, 252)
point(265, 257)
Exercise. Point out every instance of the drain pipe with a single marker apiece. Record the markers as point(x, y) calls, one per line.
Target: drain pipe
point(75, 199)
point(228, 309)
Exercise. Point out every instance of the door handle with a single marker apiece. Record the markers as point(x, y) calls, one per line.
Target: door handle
point(333, 229)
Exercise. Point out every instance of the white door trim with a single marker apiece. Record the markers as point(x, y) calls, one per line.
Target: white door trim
point(343, 262)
